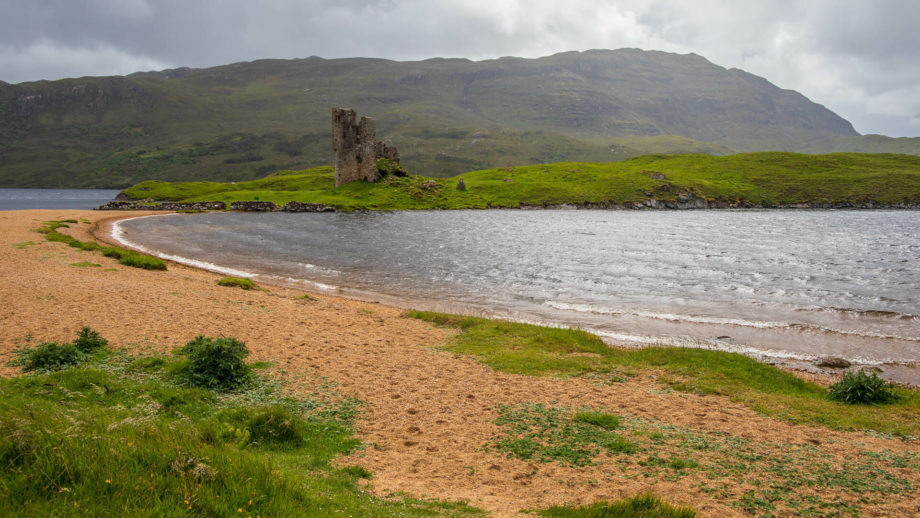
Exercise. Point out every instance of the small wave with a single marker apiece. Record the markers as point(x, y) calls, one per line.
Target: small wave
point(118, 234)
point(295, 280)
point(713, 345)
point(866, 334)
point(693, 319)
point(318, 269)
point(727, 346)
point(601, 310)
point(851, 312)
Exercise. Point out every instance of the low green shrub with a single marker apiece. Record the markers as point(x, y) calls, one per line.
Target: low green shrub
point(216, 363)
point(48, 356)
point(115, 252)
point(275, 426)
point(860, 388)
point(146, 262)
point(642, 506)
point(88, 340)
point(238, 282)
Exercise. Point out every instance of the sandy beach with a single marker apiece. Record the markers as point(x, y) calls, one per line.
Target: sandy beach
point(426, 412)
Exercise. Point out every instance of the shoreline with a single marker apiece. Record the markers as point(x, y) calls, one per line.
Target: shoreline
point(691, 203)
point(426, 412)
point(905, 374)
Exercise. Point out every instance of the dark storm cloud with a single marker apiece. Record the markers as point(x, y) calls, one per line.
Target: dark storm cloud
point(856, 57)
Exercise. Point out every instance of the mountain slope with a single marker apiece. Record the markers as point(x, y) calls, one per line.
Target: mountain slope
point(447, 116)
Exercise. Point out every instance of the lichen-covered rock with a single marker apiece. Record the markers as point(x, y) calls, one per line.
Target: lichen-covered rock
point(166, 205)
point(253, 206)
point(833, 362)
point(298, 206)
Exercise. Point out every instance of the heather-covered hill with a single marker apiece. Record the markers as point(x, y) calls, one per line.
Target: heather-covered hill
point(447, 116)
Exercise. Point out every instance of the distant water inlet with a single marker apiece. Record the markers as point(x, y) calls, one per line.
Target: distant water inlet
point(784, 286)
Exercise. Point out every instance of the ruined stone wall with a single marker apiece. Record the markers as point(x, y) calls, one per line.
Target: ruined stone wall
point(354, 145)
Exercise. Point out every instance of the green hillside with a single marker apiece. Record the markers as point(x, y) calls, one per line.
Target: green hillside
point(759, 179)
point(242, 121)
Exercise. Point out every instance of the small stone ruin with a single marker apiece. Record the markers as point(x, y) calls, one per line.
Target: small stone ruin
point(356, 148)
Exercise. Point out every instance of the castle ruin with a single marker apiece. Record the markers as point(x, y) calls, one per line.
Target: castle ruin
point(356, 148)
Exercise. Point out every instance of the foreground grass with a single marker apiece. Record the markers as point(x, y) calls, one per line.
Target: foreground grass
point(642, 506)
point(539, 351)
point(122, 436)
point(125, 257)
point(770, 179)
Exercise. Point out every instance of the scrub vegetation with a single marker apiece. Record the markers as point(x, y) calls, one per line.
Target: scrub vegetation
point(758, 179)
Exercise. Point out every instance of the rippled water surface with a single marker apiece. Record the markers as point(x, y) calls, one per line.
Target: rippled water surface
point(21, 199)
point(790, 285)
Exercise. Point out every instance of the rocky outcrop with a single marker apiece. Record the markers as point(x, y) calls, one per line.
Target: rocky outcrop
point(246, 206)
point(167, 205)
point(297, 206)
point(689, 201)
point(833, 362)
point(253, 206)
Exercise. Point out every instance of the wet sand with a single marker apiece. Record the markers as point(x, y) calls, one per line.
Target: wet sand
point(427, 412)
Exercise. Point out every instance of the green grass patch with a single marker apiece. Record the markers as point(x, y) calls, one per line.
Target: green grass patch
point(543, 351)
point(86, 264)
point(767, 178)
point(547, 434)
point(605, 421)
point(145, 262)
point(119, 436)
point(125, 257)
point(24, 244)
point(237, 282)
point(642, 506)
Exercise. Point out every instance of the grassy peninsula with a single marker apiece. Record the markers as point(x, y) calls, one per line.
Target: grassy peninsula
point(768, 179)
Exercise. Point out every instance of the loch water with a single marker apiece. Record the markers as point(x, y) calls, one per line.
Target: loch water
point(785, 286)
point(22, 199)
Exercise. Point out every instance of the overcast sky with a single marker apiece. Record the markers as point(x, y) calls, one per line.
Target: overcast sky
point(860, 58)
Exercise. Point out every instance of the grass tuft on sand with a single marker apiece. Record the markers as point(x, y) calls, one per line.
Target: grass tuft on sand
point(237, 282)
point(125, 257)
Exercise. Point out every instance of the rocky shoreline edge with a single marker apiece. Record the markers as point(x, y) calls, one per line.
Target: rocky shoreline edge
point(682, 203)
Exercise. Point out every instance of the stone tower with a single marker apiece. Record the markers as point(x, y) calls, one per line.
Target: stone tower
point(354, 145)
